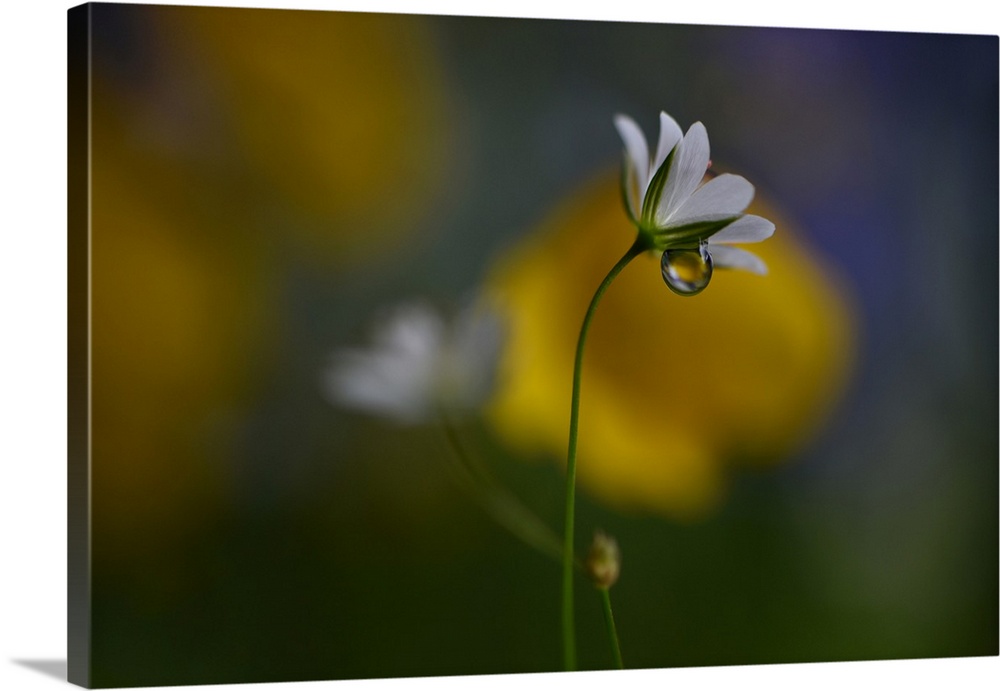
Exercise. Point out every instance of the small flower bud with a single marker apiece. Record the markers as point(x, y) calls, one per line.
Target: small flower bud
point(604, 560)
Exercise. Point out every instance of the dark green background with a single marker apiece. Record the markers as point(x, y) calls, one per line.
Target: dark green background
point(347, 552)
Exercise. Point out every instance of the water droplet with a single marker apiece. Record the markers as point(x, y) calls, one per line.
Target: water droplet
point(687, 272)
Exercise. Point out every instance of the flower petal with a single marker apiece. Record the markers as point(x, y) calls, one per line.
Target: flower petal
point(726, 257)
point(380, 383)
point(687, 169)
point(470, 362)
point(635, 149)
point(670, 135)
point(726, 195)
point(630, 191)
point(411, 330)
point(395, 376)
point(747, 228)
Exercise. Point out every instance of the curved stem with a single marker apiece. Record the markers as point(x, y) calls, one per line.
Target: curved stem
point(609, 620)
point(568, 631)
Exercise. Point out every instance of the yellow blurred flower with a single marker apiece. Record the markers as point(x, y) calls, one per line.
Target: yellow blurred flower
point(177, 325)
point(249, 130)
point(674, 390)
point(341, 113)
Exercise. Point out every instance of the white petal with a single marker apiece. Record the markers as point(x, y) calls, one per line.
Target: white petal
point(635, 147)
point(474, 351)
point(726, 257)
point(726, 195)
point(633, 196)
point(379, 383)
point(686, 171)
point(744, 229)
point(395, 376)
point(670, 134)
point(411, 329)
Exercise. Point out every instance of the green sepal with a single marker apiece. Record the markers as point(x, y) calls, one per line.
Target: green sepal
point(645, 240)
point(655, 189)
point(679, 236)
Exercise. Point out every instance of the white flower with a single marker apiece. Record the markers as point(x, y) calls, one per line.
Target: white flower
point(418, 365)
point(665, 199)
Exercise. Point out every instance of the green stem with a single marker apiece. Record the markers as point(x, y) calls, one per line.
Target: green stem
point(609, 619)
point(568, 631)
point(503, 507)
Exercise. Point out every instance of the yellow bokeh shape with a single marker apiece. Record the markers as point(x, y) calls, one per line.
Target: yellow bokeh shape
point(674, 389)
point(338, 118)
point(252, 131)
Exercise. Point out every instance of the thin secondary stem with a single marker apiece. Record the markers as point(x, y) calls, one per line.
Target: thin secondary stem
point(609, 619)
point(568, 631)
point(499, 503)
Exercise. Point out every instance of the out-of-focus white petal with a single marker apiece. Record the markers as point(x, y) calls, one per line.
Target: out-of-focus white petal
point(670, 135)
point(635, 147)
point(470, 367)
point(686, 171)
point(726, 195)
point(379, 383)
point(726, 257)
point(394, 377)
point(412, 327)
point(747, 228)
point(418, 365)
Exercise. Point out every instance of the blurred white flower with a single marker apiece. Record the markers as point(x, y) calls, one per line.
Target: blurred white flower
point(670, 207)
point(419, 365)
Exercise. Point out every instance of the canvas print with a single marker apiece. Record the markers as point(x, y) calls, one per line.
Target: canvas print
point(413, 345)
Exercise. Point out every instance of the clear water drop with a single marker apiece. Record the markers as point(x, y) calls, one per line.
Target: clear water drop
point(687, 272)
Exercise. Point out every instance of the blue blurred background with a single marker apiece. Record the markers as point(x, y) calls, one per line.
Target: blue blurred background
point(265, 181)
